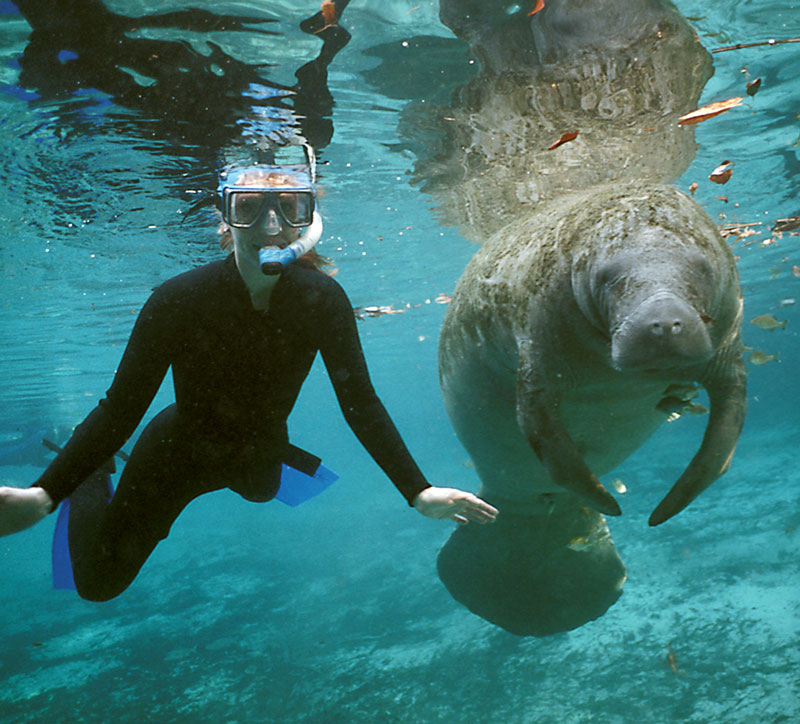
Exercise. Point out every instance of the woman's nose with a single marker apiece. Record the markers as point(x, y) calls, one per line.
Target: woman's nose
point(273, 226)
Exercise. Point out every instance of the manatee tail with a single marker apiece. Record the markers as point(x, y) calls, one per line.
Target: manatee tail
point(534, 575)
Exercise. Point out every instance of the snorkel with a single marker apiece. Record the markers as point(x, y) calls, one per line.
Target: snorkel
point(273, 259)
point(282, 193)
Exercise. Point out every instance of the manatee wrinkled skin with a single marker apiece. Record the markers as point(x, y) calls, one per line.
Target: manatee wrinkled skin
point(600, 301)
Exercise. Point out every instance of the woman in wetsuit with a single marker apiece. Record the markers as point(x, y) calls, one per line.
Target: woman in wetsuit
point(240, 343)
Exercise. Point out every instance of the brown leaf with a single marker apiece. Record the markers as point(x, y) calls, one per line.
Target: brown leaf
point(709, 111)
point(722, 173)
point(753, 86)
point(565, 138)
point(792, 222)
point(328, 10)
point(539, 6)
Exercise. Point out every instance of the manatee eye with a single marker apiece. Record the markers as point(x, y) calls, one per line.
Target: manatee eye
point(610, 273)
point(700, 265)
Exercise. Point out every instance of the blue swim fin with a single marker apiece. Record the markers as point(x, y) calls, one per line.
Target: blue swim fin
point(62, 564)
point(63, 579)
point(303, 476)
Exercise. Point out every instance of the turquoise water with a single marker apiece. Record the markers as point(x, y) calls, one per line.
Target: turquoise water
point(333, 612)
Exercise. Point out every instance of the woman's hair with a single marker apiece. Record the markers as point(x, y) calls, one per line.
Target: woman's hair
point(312, 259)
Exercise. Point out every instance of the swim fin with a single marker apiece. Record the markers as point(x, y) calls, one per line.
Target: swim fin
point(63, 579)
point(303, 476)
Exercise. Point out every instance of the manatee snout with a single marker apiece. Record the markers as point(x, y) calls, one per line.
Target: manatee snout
point(663, 331)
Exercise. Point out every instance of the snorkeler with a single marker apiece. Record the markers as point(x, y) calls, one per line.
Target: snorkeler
point(240, 335)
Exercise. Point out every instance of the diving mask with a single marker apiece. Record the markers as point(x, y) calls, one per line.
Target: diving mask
point(244, 206)
point(249, 191)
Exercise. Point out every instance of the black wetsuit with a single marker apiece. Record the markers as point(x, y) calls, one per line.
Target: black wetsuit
point(237, 374)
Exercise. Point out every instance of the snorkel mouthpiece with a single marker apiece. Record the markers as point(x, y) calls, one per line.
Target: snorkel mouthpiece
point(274, 260)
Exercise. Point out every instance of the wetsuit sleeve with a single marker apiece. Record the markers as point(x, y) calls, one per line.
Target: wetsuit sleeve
point(363, 411)
point(104, 431)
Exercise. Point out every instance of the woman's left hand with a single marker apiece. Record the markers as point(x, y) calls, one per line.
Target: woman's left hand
point(458, 505)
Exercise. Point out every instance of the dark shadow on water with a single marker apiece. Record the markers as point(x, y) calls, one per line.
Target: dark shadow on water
point(185, 96)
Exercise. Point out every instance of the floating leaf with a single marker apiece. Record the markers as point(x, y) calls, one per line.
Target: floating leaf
point(375, 311)
point(722, 173)
point(539, 6)
point(709, 111)
point(565, 138)
point(753, 86)
point(792, 222)
point(328, 10)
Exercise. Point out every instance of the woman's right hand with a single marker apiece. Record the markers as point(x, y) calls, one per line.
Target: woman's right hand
point(454, 504)
point(20, 508)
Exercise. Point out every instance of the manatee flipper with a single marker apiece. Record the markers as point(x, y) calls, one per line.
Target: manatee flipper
point(534, 575)
point(538, 418)
point(728, 398)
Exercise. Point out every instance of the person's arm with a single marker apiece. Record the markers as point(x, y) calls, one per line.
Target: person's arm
point(144, 363)
point(105, 429)
point(365, 414)
point(20, 508)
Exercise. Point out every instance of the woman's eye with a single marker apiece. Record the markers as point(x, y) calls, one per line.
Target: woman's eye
point(248, 203)
point(246, 207)
point(288, 201)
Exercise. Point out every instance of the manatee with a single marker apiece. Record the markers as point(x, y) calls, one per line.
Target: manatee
point(600, 301)
point(568, 336)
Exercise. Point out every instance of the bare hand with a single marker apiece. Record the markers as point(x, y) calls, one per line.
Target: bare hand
point(20, 508)
point(458, 505)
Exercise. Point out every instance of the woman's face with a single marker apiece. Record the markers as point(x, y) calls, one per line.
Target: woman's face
point(269, 230)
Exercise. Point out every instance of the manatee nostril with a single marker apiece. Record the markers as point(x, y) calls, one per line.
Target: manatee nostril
point(660, 328)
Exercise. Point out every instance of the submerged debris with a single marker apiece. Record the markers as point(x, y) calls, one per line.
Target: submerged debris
point(753, 86)
point(565, 138)
point(375, 311)
point(739, 46)
point(539, 6)
point(788, 224)
point(709, 111)
point(722, 173)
